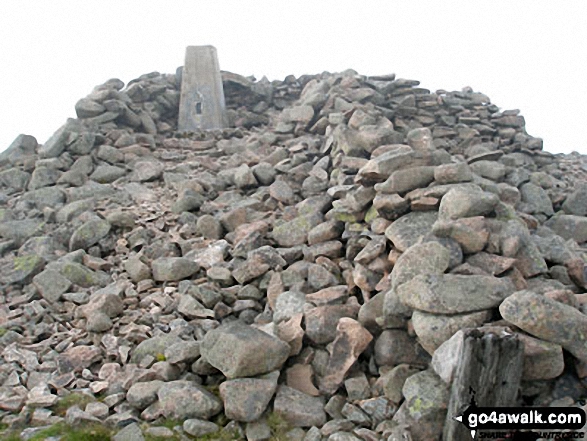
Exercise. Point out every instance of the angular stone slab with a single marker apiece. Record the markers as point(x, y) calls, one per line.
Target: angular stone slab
point(454, 294)
point(202, 105)
point(298, 408)
point(351, 340)
point(548, 320)
point(245, 399)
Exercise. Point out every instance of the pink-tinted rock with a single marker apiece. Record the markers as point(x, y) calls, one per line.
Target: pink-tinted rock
point(351, 340)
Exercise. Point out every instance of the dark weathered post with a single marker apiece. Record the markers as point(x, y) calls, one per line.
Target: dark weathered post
point(491, 366)
point(202, 105)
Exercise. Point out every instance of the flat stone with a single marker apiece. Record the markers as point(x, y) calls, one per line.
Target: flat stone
point(295, 232)
point(173, 268)
point(89, 234)
point(466, 202)
point(569, 226)
point(434, 329)
point(105, 174)
point(239, 350)
point(548, 320)
point(153, 346)
point(403, 181)
point(197, 427)
point(185, 399)
point(245, 399)
point(51, 285)
point(407, 230)
point(423, 258)
point(454, 294)
point(299, 409)
point(78, 358)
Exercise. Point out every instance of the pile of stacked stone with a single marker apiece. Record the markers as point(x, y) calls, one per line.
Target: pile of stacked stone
point(314, 262)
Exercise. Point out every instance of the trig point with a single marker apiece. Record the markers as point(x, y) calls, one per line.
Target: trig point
point(201, 104)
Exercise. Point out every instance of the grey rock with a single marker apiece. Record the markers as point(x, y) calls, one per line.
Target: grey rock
point(15, 179)
point(43, 177)
point(132, 432)
point(185, 399)
point(288, 304)
point(454, 294)
point(424, 409)
point(87, 108)
point(321, 322)
point(105, 174)
point(20, 230)
point(21, 269)
point(51, 285)
point(153, 346)
point(197, 427)
point(407, 230)
point(245, 399)
point(395, 346)
point(239, 350)
point(434, 329)
point(569, 226)
point(145, 171)
point(548, 320)
point(466, 202)
point(90, 233)
point(299, 409)
point(424, 258)
point(264, 173)
point(576, 202)
point(141, 395)
point(173, 268)
point(182, 352)
point(453, 173)
point(420, 139)
point(403, 181)
point(536, 200)
point(295, 232)
point(136, 269)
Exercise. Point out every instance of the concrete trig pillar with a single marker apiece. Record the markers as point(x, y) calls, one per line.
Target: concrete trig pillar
point(201, 105)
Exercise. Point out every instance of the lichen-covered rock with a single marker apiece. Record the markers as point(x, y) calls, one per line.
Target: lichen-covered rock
point(185, 399)
point(454, 294)
point(548, 320)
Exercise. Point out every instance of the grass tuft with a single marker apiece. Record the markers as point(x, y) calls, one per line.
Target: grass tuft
point(91, 432)
point(79, 399)
point(279, 427)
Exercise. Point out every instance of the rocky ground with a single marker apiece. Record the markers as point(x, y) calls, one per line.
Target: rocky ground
point(300, 275)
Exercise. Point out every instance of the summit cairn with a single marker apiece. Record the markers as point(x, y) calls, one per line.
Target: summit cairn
point(314, 262)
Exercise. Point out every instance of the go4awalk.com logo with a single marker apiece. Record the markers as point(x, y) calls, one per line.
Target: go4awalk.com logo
point(500, 421)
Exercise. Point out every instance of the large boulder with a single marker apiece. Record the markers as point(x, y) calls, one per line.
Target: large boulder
point(239, 350)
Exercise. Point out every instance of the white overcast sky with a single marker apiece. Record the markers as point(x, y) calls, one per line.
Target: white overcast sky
point(525, 54)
